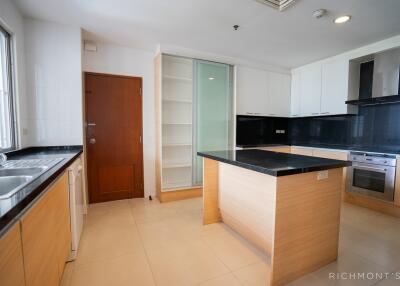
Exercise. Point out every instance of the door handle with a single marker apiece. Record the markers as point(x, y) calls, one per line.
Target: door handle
point(92, 140)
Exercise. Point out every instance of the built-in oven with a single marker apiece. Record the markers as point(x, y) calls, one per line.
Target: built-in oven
point(372, 174)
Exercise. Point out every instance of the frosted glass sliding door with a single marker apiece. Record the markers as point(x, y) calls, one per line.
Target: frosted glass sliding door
point(213, 112)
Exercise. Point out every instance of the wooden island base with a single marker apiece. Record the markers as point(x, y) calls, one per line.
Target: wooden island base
point(294, 219)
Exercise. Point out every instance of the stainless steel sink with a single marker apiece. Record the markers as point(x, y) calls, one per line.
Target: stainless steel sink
point(21, 172)
point(16, 174)
point(8, 184)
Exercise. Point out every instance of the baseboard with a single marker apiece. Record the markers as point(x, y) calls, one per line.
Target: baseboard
point(180, 195)
point(373, 204)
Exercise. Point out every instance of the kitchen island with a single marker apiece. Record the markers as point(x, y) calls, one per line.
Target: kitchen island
point(288, 205)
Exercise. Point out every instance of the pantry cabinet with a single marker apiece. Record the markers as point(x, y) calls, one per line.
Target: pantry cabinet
point(262, 93)
point(194, 113)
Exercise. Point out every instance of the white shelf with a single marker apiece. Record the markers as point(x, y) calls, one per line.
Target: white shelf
point(176, 185)
point(171, 100)
point(180, 78)
point(176, 144)
point(177, 123)
point(183, 165)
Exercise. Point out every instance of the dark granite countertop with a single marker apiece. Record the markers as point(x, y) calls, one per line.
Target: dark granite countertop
point(274, 163)
point(372, 149)
point(12, 208)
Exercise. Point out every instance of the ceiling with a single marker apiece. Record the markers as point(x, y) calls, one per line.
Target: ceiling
point(288, 39)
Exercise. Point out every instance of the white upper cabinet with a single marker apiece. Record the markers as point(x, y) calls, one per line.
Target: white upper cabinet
point(321, 89)
point(310, 90)
point(278, 94)
point(295, 98)
point(251, 91)
point(262, 93)
point(335, 82)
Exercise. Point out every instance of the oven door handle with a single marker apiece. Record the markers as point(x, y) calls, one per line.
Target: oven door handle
point(370, 168)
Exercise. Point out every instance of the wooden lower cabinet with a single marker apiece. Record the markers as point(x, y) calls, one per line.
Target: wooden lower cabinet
point(46, 237)
point(328, 154)
point(281, 149)
point(11, 260)
point(302, 151)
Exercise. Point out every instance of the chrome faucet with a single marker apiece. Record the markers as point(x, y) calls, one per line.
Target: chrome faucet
point(3, 159)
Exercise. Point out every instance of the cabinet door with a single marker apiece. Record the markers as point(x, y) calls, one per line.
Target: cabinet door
point(278, 94)
point(310, 89)
point(63, 227)
point(11, 261)
point(330, 154)
point(251, 91)
point(295, 95)
point(302, 151)
point(335, 78)
point(43, 242)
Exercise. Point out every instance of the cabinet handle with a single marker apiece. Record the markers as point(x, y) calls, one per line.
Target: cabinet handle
point(324, 112)
point(256, 113)
point(272, 114)
point(295, 115)
point(249, 113)
point(315, 113)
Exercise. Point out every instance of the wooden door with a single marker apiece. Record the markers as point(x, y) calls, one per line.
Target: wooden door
point(114, 137)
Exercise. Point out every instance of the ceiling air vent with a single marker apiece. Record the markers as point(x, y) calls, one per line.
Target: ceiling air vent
point(277, 4)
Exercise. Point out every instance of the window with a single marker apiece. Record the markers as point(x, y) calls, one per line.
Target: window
point(7, 135)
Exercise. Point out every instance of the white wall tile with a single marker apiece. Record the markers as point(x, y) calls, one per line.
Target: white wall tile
point(54, 81)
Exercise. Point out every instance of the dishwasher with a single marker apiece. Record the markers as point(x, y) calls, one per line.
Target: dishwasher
point(77, 202)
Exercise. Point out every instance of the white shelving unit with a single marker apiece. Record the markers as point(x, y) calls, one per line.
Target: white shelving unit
point(176, 122)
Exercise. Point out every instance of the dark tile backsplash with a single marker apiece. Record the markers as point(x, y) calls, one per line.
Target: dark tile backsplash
point(375, 127)
point(258, 130)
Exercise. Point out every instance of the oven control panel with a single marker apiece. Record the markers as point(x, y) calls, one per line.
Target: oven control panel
point(373, 158)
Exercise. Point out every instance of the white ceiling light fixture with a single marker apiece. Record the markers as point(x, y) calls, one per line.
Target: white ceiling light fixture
point(277, 4)
point(211, 78)
point(342, 19)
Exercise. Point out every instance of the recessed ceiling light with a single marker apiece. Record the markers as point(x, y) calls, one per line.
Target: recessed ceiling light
point(342, 19)
point(211, 78)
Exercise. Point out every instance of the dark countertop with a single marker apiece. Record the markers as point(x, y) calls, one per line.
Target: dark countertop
point(371, 149)
point(12, 208)
point(274, 163)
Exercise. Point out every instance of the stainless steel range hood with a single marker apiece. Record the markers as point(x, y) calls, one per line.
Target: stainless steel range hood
point(385, 79)
point(386, 74)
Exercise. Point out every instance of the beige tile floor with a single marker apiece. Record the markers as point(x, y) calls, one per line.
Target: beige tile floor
point(140, 242)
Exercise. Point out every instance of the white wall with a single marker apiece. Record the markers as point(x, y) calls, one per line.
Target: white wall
point(54, 83)
point(12, 21)
point(386, 44)
point(118, 60)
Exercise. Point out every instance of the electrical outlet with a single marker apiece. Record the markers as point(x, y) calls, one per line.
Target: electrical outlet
point(322, 175)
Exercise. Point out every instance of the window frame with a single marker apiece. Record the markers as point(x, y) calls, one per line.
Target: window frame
point(10, 83)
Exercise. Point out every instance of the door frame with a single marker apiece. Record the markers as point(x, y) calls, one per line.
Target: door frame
point(85, 143)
